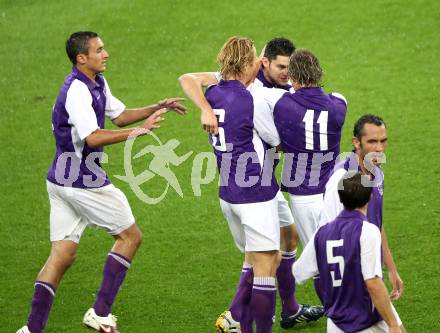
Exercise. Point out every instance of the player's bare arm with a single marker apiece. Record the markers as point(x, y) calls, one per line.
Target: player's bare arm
point(192, 84)
point(103, 137)
point(381, 300)
point(133, 115)
point(393, 275)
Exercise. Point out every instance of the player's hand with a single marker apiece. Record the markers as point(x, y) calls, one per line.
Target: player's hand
point(172, 104)
point(209, 121)
point(397, 284)
point(154, 120)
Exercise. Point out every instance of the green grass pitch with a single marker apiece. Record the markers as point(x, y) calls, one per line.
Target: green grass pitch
point(382, 55)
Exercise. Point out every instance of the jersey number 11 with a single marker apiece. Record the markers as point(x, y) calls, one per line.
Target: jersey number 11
point(322, 121)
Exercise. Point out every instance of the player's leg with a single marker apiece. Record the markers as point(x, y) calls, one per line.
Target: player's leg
point(61, 257)
point(247, 320)
point(306, 211)
point(262, 231)
point(288, 244)
point(286, 281)
point(240, 308)
point(66, 228)
point(264, 289)
point(108, 208)
point(231, 319)
point(117, 263)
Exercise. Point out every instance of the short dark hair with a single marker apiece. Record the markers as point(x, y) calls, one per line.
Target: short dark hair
point(366, 119)
point(278, 46)
point(304, 68)
point(352, 192)
point(78, 43)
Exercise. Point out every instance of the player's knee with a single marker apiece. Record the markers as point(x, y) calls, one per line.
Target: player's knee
point(138, 238)
point(63, 260)
point(69, 258)
point(135, 238)
point(289, 238)
point(131, 237)
point(275, 262)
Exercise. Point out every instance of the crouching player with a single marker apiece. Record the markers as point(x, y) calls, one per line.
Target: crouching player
point(347, 255)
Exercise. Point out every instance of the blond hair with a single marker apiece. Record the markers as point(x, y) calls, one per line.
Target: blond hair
point(304, 68)
point(235, 55)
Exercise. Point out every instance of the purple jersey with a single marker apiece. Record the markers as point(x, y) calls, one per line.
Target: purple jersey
point(80, 109)
point(338, 256)
point(242, 156)
point(309, 123)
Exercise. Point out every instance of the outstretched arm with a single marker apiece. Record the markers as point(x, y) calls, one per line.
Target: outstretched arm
point(192, 84)
point(393, 275)
point(103, 137)
point(131, 116)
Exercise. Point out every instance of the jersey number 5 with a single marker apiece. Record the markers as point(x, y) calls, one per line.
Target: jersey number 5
point(322, 121)
point(219, 141)
point(339, 260)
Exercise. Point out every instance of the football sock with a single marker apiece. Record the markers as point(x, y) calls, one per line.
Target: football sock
point(286, 284)
point(263, 303)
point(318, 288)
point(243, 294)
point(41, 303)
point(246, 321)
point(115, 269)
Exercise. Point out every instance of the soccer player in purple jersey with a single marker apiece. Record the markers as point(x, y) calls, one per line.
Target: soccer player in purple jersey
point(369, 142)
point(249, 204)
point(309, 123)
point(346, 253)
point(273, 73)
point(80, 192)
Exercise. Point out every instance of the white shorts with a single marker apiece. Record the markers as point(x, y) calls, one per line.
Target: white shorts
point(284, 213)
point(72, 209)
point(254, 226)
point(306, 211)
point(379, 327)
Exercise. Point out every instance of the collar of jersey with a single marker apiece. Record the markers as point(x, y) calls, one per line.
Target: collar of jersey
point(83, 78)
point(267, 84)
point(352, 214)
point(231, 83)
